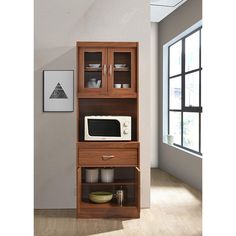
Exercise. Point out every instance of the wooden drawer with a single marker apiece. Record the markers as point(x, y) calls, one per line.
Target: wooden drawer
point(108, 157)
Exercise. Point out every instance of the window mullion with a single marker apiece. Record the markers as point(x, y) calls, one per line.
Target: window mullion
point(183, 90)
point(192, 109)
point(200, 86)
point(168, 131)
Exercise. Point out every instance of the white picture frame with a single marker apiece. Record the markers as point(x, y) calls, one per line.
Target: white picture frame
point(58, 90)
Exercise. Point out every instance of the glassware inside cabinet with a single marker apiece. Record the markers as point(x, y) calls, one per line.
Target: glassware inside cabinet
point(93, 70)
point(122, 70)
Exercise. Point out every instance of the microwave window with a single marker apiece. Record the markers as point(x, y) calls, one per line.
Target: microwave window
point(102, 127)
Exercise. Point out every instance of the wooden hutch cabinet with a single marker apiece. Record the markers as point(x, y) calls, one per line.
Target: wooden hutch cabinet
point(107, 83)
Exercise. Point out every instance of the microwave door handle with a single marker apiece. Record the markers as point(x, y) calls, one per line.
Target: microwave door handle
point(107, 157)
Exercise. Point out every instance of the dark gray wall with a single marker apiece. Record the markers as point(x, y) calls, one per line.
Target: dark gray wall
point(181, 164)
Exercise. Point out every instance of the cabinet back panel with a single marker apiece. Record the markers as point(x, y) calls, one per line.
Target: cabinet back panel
point(105, 107)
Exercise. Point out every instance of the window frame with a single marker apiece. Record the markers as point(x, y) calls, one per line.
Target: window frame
point(182, 75)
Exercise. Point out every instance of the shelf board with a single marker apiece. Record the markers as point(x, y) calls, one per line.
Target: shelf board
point(117, 182)
point(122, 69)
point(100, 69)
point(108, 96)
point(93, 69)
point(88, 204)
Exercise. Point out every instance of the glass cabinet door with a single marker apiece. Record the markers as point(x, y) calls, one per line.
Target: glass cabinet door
point(93, 70)
point(122, 70)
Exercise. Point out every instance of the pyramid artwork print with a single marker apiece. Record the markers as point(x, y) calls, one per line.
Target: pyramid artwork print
point(58, 92)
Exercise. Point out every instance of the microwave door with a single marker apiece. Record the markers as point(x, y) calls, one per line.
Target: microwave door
point(104, 128)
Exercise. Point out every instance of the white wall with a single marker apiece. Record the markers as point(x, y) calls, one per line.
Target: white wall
point(58, 25)
point(154, 95)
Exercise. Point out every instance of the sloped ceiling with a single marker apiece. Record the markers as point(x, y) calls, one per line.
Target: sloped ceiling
point(159, 9)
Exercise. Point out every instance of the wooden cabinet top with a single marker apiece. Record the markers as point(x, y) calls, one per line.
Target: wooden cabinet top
point(107, 44)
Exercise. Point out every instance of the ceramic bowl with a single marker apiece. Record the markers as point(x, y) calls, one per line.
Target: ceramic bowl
point(100, 197)
point(94, 65)
point(120, 65)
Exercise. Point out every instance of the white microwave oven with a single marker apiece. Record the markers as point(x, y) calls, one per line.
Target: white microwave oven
point(105, 128)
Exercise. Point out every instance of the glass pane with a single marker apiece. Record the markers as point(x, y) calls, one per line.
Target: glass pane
point(93, 70)
point(192, 89)
point(175, 126)
point(192, 52)
point(122, 70)
point(102, 127)
point(175, 93)
point(175, 58)
point(191, 130)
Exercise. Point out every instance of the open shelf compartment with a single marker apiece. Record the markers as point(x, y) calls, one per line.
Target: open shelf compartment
point(125, 178)
point(105, 107)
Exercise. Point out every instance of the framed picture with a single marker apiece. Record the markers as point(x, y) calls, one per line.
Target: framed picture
point(58, 90)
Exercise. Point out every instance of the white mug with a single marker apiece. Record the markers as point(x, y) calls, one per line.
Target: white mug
point(117, 85)
point(125, 85)
point(91, 175)
point(107, 175)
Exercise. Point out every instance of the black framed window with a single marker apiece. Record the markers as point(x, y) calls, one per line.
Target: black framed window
point(184, 91)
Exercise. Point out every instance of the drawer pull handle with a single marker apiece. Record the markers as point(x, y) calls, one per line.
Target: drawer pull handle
point(107, 157)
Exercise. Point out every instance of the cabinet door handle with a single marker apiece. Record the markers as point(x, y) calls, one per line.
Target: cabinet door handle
point(110, 70)
point(137, 169)
point(105, 69)
point(107, 157)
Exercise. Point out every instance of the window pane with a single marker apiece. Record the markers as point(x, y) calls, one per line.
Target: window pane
point(175, 93)
point(175, 126)
point(192, 89)
point(192, 52)
point(175, 58)
point(191, 130)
